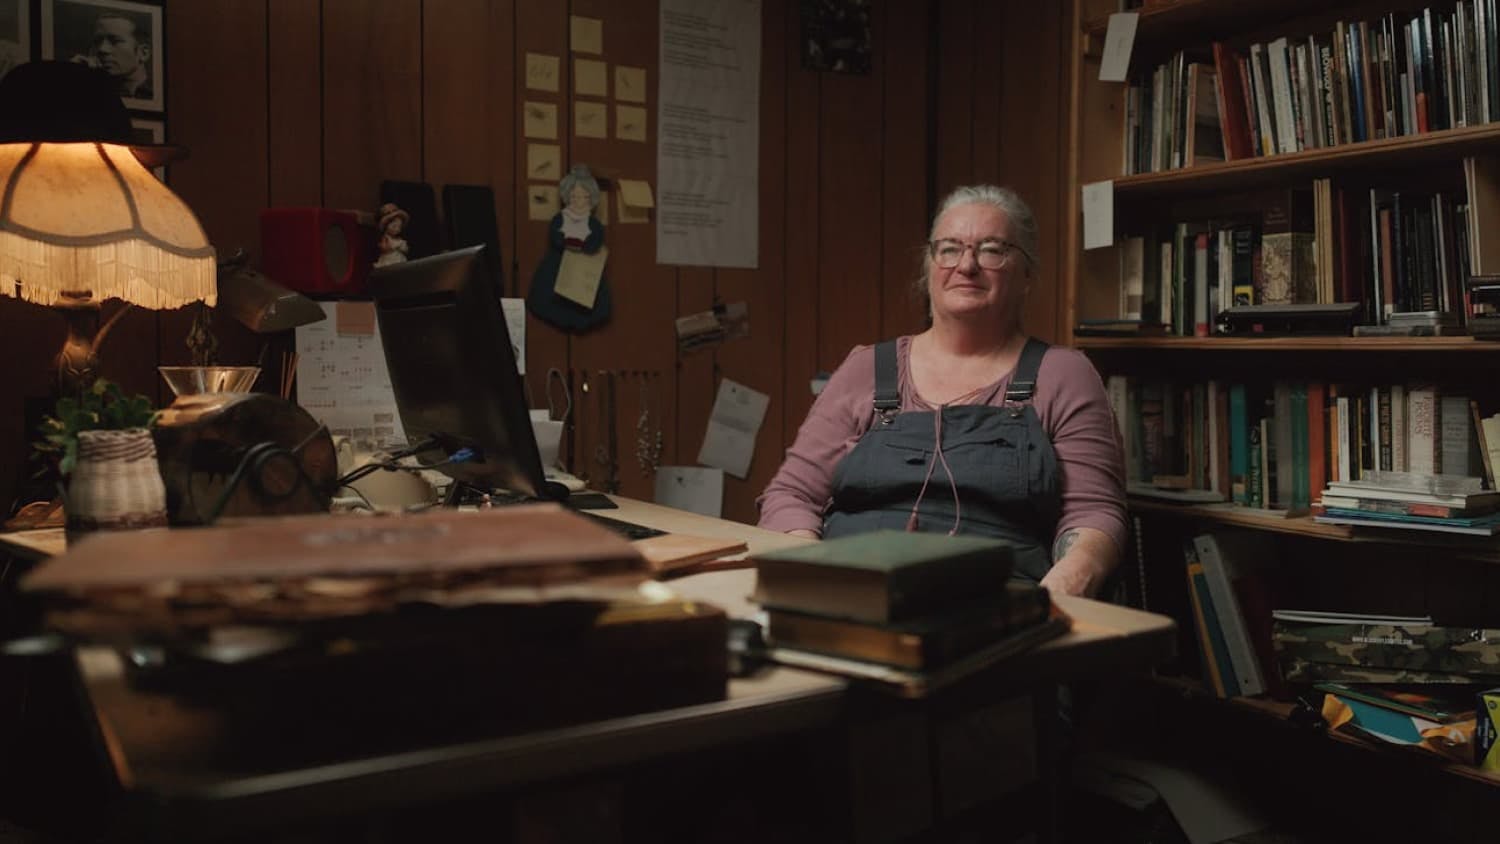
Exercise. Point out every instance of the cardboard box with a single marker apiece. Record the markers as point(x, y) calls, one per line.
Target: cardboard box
point(1487, 730)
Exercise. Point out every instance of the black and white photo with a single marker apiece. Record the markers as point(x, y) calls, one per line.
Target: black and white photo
point(145, 131)
point(123, 39)
point(15, 34)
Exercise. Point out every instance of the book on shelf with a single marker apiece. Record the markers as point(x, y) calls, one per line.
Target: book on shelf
point(1119, 328)
point(1466, 499)
point(1400, 508)
point(918, 683)
point(922, 644)
point(1218, 670)
point(1220, 576)
point(883, 576)
point(1440, 705)
point(1390, 644)
point(1482, 526)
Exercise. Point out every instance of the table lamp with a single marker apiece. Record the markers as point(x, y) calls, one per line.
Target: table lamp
point(82, 219)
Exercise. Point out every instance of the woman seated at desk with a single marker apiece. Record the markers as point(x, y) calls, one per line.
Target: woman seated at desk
point(969, 426)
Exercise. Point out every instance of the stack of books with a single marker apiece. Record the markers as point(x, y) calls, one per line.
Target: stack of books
point(1404, 500)
point(1436, 718)
point(912, 610)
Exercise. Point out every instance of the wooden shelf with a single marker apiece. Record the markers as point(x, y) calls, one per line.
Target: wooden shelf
point(1479, 548)
point(1447, 146)
point(1279, 711)
point(1293, 344)
point(1230, 514)
point(1275, 709)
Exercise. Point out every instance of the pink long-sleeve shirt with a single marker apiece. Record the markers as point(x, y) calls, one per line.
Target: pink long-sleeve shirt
point(1070, 400)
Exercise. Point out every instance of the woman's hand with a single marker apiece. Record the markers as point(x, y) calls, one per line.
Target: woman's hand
point(1082, 559)
point(803, 532)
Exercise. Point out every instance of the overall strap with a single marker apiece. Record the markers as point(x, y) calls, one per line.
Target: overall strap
point(887, 382)
point(1023, 382)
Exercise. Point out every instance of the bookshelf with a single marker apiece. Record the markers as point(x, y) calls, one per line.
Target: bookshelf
point(1280, 713)
point(1106, 131)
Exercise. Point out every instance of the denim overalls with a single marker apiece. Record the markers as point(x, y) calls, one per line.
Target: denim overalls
point(1003, 465)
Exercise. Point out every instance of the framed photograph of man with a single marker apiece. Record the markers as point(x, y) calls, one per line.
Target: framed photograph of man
point(122, 38)
point(15, 34)
point(147, 131)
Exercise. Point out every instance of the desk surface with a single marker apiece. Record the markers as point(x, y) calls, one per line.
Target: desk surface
point(164, 750)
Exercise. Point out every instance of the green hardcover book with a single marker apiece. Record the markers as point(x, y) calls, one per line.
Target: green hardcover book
point(883, 576)
point(922, 644)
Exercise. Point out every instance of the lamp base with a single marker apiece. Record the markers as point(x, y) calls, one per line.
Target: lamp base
point(78, 360)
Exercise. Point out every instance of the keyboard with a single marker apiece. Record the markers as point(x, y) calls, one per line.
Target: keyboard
point(629, 530)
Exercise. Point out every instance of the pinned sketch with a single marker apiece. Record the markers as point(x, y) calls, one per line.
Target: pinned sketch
point(729, 442)
point(541, 72)
point(630, 123)
point(590, 78)
point(586, 35)
point(541, 202)
point(636, 201)
point(630, 84)
point(543, 161)
point(695, 489)
point(1098, 214)
point(590, 120)
point(539, 120)
point(630, 214)
point(515, 325)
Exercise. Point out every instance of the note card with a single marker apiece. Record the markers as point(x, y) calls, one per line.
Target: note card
point(543, 161)
point(630, 84)
point(539, 120)
point(637, 193)
point(515, 326)
point(355, 318)
point(586, 35)
point(693, 488)
point(1098, 214)
point(1119, 40)
point(541, 202)
point(590, 78)
point(630, 214)
point(541, 72)
point(590, 120)
point(579, 274)
point(734, 423)
point(630, 123)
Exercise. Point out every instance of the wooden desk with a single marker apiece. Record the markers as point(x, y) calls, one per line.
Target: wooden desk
point(164, 753)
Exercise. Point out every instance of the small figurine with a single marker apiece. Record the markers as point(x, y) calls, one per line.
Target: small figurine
point(573, 228)
point(393, 246)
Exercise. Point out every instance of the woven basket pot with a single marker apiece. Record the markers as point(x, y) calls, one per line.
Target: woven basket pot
point(116, 484)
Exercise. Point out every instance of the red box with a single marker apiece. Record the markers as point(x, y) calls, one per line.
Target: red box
point(315, 250)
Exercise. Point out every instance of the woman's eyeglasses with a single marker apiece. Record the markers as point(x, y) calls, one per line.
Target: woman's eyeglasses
point(991, 254)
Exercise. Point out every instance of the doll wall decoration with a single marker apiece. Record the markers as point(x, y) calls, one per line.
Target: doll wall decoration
point(568, 289)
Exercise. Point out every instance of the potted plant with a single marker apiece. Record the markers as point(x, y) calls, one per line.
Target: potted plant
point(102, 442)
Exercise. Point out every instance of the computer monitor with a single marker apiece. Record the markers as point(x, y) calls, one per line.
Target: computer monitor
point(454, 373)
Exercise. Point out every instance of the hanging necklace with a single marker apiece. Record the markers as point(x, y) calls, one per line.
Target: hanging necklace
point(648, 442)
point(583, 415)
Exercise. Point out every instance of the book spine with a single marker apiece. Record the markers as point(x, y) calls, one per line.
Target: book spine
point(1226, 684)
point(1230, 615)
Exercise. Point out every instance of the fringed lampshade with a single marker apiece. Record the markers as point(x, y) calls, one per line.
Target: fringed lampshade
point(87, 221)
point(81, 218)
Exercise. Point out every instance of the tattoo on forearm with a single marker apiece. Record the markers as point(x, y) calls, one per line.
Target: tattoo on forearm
point(1063, 543)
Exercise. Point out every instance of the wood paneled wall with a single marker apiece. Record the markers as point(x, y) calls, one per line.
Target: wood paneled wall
point(298, 102)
